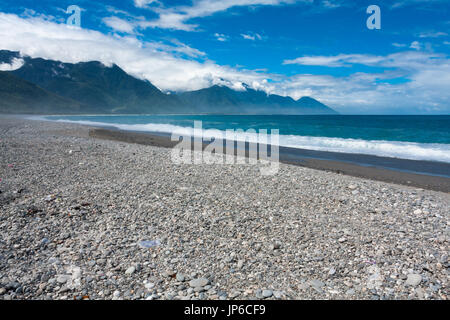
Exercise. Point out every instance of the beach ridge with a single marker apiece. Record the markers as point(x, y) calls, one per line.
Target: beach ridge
point(83, 217)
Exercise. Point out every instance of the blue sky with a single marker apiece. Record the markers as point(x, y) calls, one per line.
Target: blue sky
point(317, 48)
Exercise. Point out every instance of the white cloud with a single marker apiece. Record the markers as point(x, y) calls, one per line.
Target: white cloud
point(341, 60)
point(143, 3)
point(247, 37)
point(331, 4)
point(252, 37)
point(415, 45)
point(335, 61)
point(403, 3)
point(424, 77)
point(119, 25)
point(15, 64)
point(177, 17)
point(177, 47)
point(30, 13)
point(406, 59)
point(221, 37)
point(436, 34)
point(153, 61)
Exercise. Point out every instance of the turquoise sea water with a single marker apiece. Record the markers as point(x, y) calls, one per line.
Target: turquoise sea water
point(407, 137)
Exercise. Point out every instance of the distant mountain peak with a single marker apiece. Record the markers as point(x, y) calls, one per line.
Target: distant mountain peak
point(306, 98)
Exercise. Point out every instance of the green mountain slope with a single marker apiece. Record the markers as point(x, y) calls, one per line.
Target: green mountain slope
point(221, 99)
point(91, 87)
point(20, 96)
point(96, 85)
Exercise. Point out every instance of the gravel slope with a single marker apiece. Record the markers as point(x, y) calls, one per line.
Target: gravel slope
point(73, 211)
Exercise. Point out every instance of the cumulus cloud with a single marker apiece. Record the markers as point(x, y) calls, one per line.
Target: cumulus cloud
point(154, 61)
point(423, 78)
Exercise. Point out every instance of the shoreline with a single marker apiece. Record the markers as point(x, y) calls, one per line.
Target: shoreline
point(304, 158)
point(377, 168)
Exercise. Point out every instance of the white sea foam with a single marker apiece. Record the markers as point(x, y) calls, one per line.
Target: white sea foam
point(395, 149)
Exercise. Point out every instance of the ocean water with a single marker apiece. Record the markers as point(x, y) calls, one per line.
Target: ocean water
point(404, 137)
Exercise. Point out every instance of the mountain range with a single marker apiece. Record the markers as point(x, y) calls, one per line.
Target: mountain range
point(43, 86)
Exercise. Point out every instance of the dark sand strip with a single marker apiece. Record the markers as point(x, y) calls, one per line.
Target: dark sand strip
point(297, 157)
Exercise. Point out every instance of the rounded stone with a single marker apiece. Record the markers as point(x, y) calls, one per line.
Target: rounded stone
point(267, 293)
point(413, 279)
point(180, 277)
point(130, 270)
point(200, 282)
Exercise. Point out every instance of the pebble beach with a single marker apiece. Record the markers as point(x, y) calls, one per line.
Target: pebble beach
point(85, 218)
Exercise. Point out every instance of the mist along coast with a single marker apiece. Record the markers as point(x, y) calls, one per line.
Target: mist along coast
point(88, 217)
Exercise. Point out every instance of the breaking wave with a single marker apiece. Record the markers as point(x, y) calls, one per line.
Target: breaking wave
point(395, 149)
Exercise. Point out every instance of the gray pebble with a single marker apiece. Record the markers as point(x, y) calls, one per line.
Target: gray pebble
point(413, 279)
point(180, 277)
point(200, 282)
point(267, 293)
point(130, 270)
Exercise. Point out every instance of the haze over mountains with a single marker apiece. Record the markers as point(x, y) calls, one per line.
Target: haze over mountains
point(51, 87)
